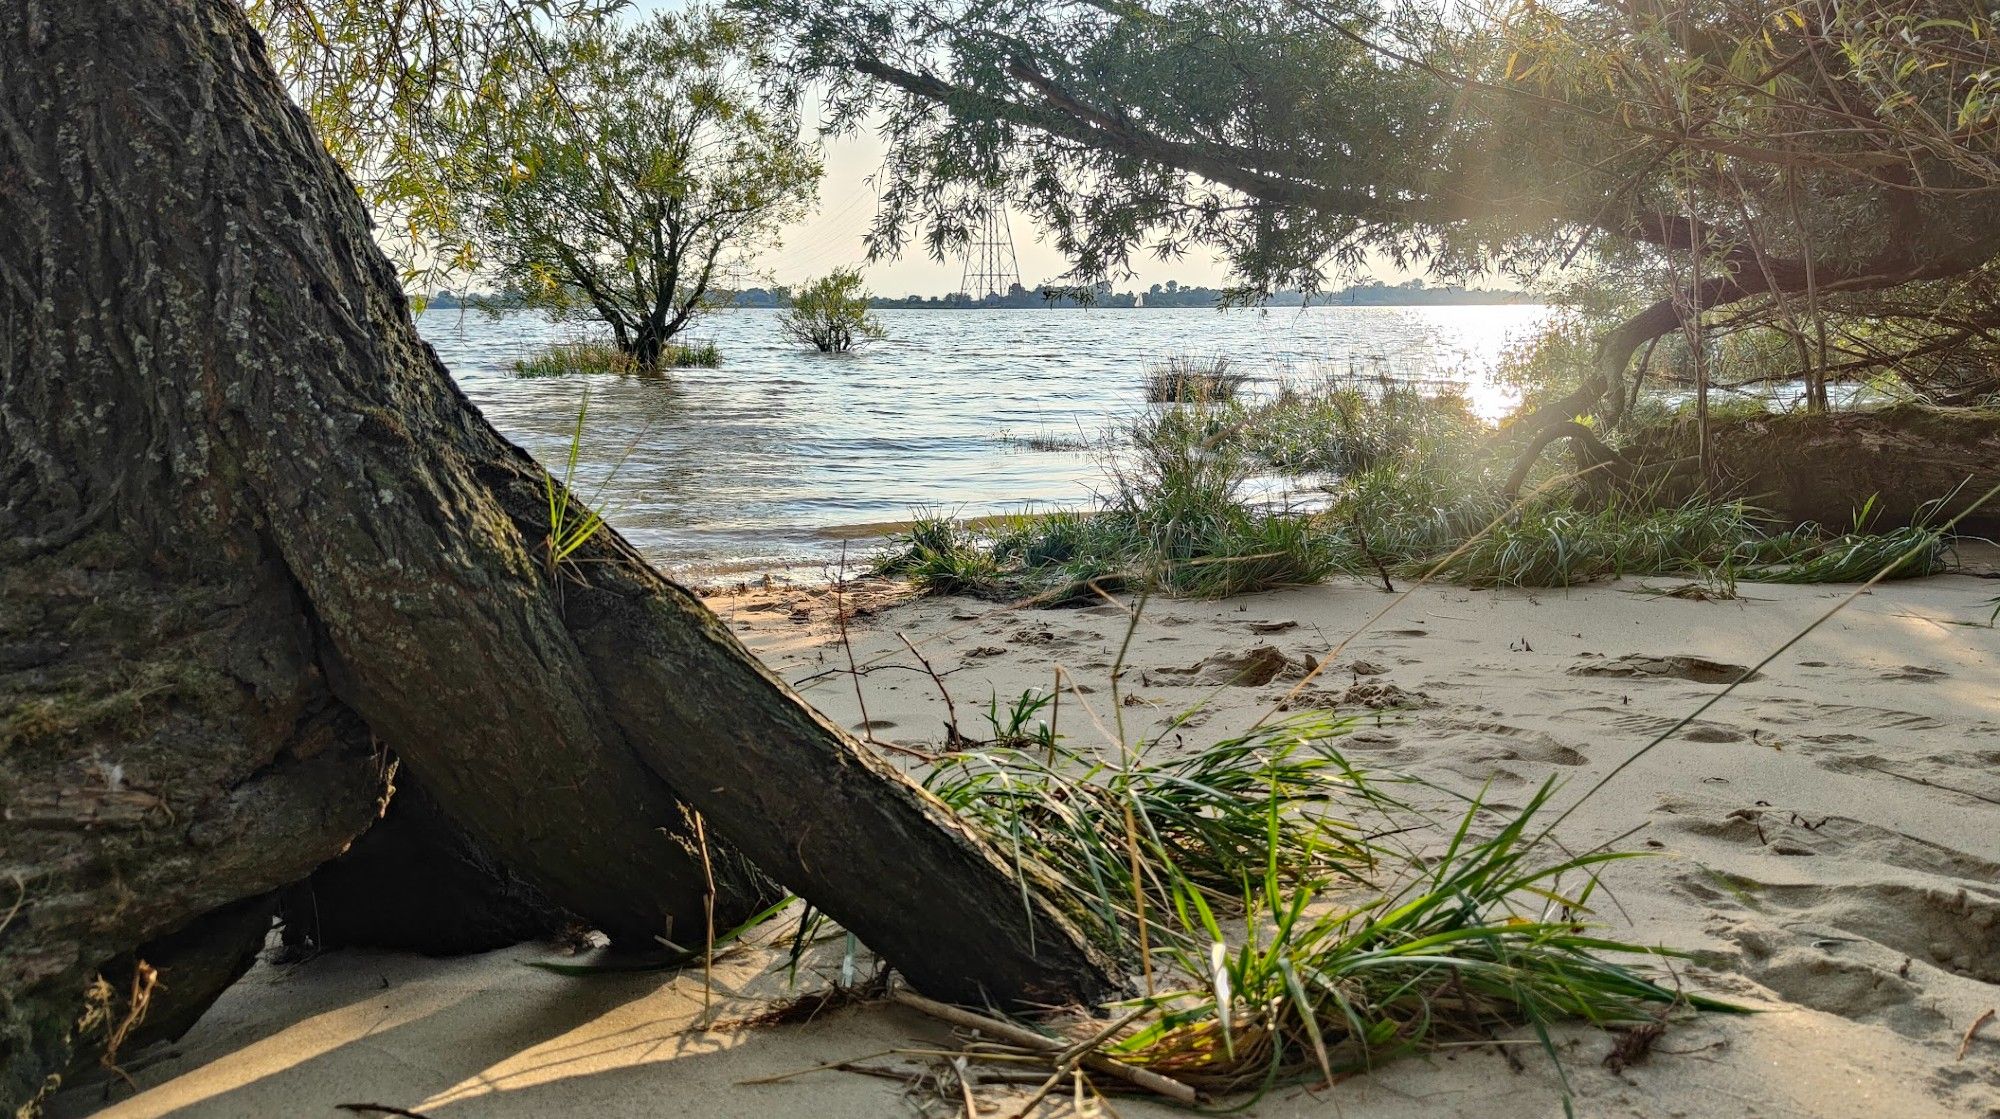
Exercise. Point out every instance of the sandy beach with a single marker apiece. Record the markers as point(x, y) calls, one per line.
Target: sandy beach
point(1826, 841)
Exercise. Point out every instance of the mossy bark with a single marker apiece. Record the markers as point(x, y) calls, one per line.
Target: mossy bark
point(254, 535)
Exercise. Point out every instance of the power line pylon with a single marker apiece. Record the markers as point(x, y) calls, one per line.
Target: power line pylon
point(990, 266)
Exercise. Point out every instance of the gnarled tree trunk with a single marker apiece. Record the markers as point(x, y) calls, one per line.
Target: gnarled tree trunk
point(253, 535)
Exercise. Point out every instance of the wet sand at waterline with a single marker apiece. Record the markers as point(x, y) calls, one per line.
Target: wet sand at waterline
point(1826, 840)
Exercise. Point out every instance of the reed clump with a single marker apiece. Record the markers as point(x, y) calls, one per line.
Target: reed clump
point(569, 359)
point(1193, 380)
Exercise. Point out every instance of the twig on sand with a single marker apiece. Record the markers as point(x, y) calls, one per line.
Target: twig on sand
point(1066, 1063)
point(964, 1076)
point(1926, 784)
point(823, 1066)
point(840, 617)
point(1151, 1081)
point(380, 1109)
point(1972, 1031)
point(954, 738)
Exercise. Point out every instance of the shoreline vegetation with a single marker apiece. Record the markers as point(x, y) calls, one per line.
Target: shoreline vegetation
point(1381, 481)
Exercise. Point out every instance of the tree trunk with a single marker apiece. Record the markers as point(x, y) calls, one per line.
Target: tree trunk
point(254, 533)
point(1823, 467)
point(647, 347)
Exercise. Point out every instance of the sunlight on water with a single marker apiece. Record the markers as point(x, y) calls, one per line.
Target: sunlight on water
point(759, 463)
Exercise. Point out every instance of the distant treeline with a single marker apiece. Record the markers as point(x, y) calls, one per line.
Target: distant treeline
point(1170, 294)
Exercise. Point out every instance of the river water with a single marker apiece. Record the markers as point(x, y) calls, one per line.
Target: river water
point(775, 458)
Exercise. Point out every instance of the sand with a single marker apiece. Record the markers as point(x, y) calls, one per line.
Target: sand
point(1827, 839)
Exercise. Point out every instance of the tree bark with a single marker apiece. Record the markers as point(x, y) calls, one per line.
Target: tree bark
point(253, 534)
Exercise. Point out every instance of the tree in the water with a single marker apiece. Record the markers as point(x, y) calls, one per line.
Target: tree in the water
point(622, 181)
point(1825, 172)
point(831, 314)
point(258, 554)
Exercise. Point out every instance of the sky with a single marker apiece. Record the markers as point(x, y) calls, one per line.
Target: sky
point(831, 237)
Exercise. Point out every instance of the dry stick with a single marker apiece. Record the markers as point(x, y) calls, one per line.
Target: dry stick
point(950, 709)
point(1028, 1039)
point(1118, 673)
point(380, 1109)
point(1055, 721)
point(708, 903)
point(1926, 784)
point(965, 1087)
point(1972, 1031)
point(1382, 569)
point(821, 1068)
point(1128, 759)
point(1138, 895)
point(1780, 651)
point(840, 618)
point(1067, 1064)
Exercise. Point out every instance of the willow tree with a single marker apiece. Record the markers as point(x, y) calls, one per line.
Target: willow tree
point(1825, 167)
point(623, 178)
point(256, 550)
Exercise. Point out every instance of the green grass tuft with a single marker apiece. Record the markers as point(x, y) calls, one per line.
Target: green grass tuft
point(567, 359)
point(1292, 920)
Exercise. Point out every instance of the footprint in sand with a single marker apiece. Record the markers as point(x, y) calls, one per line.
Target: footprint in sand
point(1252, 668)
point(1917, 674)
point(1639, 666)
point(1503, 742)
point(1786, 831)
point(1953, 929)
point(1948, 772)
point(1851, 949)
point(1811, 977)
point(1784, 710)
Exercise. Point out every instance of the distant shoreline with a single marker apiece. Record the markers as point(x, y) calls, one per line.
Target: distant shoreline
point(1120, 301)
point(1444, 299)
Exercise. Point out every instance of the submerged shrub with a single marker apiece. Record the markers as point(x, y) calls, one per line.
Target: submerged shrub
point(831, 315)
